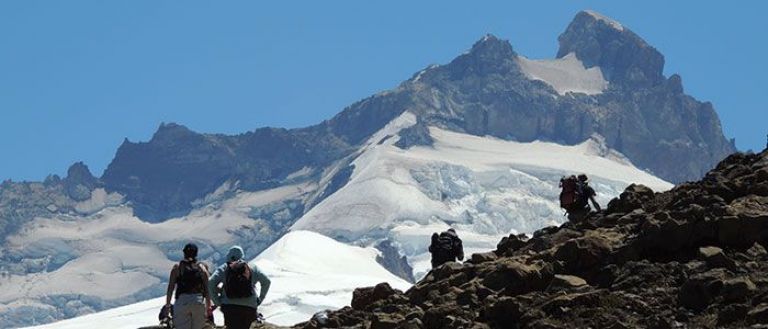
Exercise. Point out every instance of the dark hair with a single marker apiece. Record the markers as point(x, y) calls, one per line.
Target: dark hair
point(190, 251)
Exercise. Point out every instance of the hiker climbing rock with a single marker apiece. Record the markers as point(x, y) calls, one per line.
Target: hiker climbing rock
point(237, 295)
point(190, 281)
point(446, 247)
point(575, 196)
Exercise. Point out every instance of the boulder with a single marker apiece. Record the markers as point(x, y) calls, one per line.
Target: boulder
point(363, 298)
point(566, 282)
point(483, 257)
point(385, 321)
point(714, 257)
point(738, 289)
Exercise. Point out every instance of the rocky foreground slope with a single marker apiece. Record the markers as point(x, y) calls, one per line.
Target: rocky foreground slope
point(692, 257)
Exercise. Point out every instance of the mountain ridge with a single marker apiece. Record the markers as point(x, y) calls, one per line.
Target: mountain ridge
point(484, 91)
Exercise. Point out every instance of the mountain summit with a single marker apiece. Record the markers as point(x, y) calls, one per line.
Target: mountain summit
point(623, 56)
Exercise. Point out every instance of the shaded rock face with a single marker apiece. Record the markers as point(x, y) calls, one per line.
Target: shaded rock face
point(80, 182)
point(164, 176)
point(623, 56)
point(22, 201)
point(484, 92)
point(393, 261)
point(692, 257)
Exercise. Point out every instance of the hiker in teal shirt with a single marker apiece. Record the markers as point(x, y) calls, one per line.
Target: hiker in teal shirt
point(237, 296)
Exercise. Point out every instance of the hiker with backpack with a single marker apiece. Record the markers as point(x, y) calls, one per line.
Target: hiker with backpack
point(190, 281)
point(575, 197)
point(446, 247)
point(237, 296)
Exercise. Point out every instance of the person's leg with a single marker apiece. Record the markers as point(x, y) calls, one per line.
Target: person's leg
point(229, 317)
point(182, 317)
point(249, 315)
point(238, 317)
point(233, 317)
point(197, 316)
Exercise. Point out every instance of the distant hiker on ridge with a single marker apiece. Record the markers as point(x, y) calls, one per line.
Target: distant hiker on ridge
point(446, 247)
point(575, 196)
point(190, 280)
point(237, 296)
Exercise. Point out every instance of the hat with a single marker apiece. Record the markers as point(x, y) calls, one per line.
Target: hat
point(235, 253)
point(583, 178)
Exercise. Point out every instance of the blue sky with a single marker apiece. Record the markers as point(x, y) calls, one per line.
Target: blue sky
point(77, 77)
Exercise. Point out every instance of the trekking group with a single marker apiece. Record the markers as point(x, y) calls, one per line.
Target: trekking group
point(575, 196)
point(198, 294)
point(231, 286)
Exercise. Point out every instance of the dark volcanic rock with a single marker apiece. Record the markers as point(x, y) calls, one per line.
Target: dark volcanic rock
point(610, 273)
point(79, 182)
point(417, 134)
point(391, 259)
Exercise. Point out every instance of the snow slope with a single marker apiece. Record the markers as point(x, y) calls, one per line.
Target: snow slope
point(112, 258)
point(309, 273)
point(566, 74)
point(484, 187)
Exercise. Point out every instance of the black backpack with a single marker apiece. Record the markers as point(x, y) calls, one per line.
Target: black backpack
point(444, 247)
point(190, 279)
point(237, 280)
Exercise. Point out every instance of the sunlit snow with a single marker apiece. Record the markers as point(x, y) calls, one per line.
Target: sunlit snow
point(309, 273)
point(566, 74)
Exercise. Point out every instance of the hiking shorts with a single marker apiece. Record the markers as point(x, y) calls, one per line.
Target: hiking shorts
point(238, 316)
point(189, 312)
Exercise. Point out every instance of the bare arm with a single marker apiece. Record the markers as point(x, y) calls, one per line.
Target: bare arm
point(171, 284)
point(206, 293)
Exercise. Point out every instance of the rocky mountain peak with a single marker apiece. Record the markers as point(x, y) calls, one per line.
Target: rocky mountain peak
point(490, 45)
point(78, 173)
point(488, 55)
point(623, 56)
point(79, 182)
point(171, 131)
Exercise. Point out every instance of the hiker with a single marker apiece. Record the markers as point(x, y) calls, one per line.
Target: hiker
point(446, 247)
point(190, 281)
point(575, 196)
point(237, 296)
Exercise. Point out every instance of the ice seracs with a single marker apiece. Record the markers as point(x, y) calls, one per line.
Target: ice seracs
point(566, 74)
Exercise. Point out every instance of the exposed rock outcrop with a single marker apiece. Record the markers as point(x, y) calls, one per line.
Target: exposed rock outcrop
point(692, 257)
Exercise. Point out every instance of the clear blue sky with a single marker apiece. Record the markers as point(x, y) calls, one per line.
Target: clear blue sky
point(76, 77)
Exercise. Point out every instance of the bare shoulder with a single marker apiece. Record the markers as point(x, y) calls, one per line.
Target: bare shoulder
point(204, 268)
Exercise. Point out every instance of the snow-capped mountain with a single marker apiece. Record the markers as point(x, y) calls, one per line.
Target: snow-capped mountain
point(478, 144)
point(484, 187)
